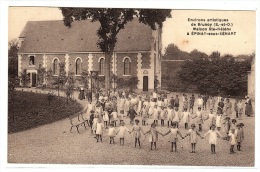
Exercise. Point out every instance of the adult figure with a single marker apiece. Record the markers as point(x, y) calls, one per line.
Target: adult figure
point(228, 107)
point(205, 99)
point(176, 101)
point(200, 102)
point(172, 102)
point(192, 100)
point(248, 108)
point(211, 103)
point(221, 105)
point(81, 93)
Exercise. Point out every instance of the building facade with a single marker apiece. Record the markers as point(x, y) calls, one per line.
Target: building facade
point(48, 43)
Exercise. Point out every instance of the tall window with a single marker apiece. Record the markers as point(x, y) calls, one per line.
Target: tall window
point(102, 66)
point(78, 66)
point(127, 66)
point(55, 66)
point(31, 61)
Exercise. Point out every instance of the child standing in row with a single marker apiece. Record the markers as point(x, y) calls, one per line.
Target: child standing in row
point(186, 118)
point(153, 135)
point(137, 133)
point(219, 119)
point(112, 133)
point(162, 115)
point(174, 132)
point(99, 129)
point(105, 118)
point(192, 133)
point(121, 132)
point(144, 114)
point(213, 134)
point(212, 119)
point(240, 135)
point(176, 117)
point(232, 140)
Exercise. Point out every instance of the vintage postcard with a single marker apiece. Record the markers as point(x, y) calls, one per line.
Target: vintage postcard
point(156, 87)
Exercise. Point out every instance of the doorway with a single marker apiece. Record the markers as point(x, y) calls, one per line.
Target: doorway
point(145, 83)
point(33, 79)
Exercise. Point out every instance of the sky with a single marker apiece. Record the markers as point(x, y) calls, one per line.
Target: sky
point(174, 30)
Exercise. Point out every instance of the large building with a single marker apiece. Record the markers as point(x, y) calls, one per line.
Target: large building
point(47, 43)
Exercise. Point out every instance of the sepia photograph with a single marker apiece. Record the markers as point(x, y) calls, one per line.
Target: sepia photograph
point(131, 86)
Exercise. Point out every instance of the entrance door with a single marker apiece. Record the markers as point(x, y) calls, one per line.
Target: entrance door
point(33, 79)
point(145, 83)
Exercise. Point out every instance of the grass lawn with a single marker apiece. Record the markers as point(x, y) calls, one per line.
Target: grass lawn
point(29, 110)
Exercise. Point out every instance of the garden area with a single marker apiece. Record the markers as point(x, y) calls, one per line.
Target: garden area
point(28, 110)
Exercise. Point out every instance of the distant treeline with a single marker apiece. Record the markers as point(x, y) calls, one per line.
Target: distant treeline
point(198, 72)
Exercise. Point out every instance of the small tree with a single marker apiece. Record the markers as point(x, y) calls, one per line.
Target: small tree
point(70, 84)
point(24, 78)
point(60, 80)
point(41, 72)
point(84, 79)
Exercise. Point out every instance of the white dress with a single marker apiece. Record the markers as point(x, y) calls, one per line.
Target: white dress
point(175, 116)
point(212, 136)
point(156, 113)
point(112, 132)
point(186, 117)
point(162, 114)
point(114, 115)
point(121, 131)
point(169, 114)
point(100, 127)
point(218, 120)
point(105, 116)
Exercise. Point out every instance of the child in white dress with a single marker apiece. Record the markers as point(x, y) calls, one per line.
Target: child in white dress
point(94, 126)
point(162, 115)
point(199, 118)
point(213, 134)
point(174, 131)
point(211, 119)
point(114, 117)
point(153, 137)
point(99, 129)
point(232, 140)
point(112, 133)
point(169, 113)
point(105, 118)
point(144, 114)
point(176, 117)
point(219, 119)
point(192, 133)
point(156, 113)
point(186, 118)
point(121, 133)
point(137, 129)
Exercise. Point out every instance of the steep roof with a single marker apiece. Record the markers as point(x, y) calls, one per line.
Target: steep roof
point(54, 37)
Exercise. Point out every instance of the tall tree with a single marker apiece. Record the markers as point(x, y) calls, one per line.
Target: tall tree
point(112, 21)
point(13, 48)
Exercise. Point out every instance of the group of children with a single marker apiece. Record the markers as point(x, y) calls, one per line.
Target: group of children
point(105, 114)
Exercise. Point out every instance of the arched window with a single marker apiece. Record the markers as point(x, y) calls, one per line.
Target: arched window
point(102, 66)
point(78, 66)
point(55, 67)
point(127, 65)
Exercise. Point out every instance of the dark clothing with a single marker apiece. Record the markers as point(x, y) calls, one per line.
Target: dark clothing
point(91, 118)
point(131, 113)
point(172, 102)
point(176, 102)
